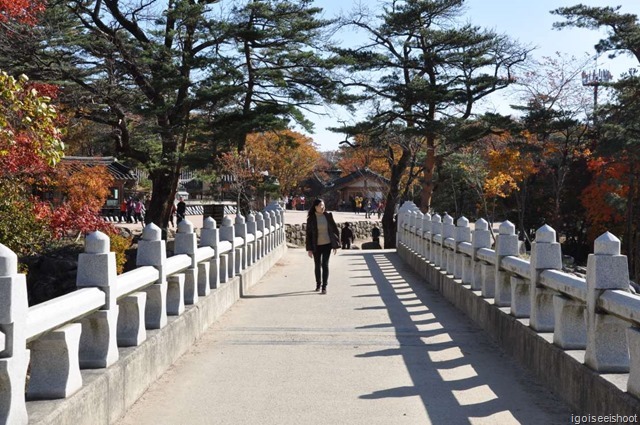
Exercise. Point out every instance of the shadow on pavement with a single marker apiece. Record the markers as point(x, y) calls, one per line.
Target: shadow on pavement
point(457, 371)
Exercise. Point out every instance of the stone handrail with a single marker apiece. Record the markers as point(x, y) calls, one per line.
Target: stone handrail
point(136, 280)
point(177, 263)
point(59, 311)
point(83, 329)
point(596, 314)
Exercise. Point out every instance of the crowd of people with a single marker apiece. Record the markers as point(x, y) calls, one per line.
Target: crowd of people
point(370, 206)
point(132, 210)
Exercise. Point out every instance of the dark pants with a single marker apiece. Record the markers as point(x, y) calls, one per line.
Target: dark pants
point(321, 258)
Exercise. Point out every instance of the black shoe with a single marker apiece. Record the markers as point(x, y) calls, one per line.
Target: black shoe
point(324, 291)
point(317, 287)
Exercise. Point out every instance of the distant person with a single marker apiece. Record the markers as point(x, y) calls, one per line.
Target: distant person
point(138, 210)
point(181, 210)
point(375, 234)
point(321, 237)
point(358, 204)
point(346, 236)
point(130, 213)
point(123, 211)
point(380, 208)
point(367, 208)
point(172, 214)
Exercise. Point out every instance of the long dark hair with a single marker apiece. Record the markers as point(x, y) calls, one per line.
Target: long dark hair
point(312, 209)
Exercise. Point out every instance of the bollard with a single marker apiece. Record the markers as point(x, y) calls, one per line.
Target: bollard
point(448, 233)
point(520, 297)
point(481, 239)
point(152, 251)
point(607, 347)
point(506, 245)
point(240, 229)
point(259, 236)
point(186, 242)
point(97, 268)
point(545, 255)
point(633, 339)
point(131, 319)
point(14, 359)
point(436, 238)
point(425, 235)
point(227, 233)
point(570, 331)
point(209, 237)
point(463, 234)
point(55, 365)
point(175, 291)
point(251, 239)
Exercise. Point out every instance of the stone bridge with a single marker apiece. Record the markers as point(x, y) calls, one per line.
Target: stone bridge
point(436, 332)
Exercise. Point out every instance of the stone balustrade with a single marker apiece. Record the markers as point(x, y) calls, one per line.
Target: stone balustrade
point(296, 233)
point(86, 328)
point(595, 318)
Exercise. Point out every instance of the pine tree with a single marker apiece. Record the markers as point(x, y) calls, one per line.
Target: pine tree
point(423, 70)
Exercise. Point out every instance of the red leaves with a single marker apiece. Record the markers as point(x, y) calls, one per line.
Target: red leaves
point(23, 11)
point(65, 220)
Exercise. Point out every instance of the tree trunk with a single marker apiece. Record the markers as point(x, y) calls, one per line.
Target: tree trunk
point(388, 219)
point(427, 179)
point(164, 184)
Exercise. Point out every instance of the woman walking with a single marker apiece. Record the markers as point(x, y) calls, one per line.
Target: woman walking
point(322, 237)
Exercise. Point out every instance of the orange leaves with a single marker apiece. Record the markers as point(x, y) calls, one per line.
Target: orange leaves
point(86, 188)
point(287, 155)
point(507, 169)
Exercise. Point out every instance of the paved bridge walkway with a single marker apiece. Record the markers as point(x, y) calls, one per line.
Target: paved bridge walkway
point(380, 348)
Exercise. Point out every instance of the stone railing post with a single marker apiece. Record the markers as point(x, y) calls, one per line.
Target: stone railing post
point(227, 233)
point(268, 223)
point(448, 232)
point(506, 246)
point(274, 238)
point(260, 241)
point(520, 297)
point(209, 237)
point(481, 239)
point(241, 232)
point(400, 233)
point(97, 268)
point(436, 238)
point(425, 234)
point(607, 348)
point(283, 236)
point(463, 234)
point(413, 229)
point(152, 251)
point(545, 255)
point(186, 242)
point(253, 246)
point(14, 358)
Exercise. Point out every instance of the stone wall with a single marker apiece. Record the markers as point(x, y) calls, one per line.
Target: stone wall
point(361, 230)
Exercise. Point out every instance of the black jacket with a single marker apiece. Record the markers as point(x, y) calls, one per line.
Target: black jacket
point(312, 232)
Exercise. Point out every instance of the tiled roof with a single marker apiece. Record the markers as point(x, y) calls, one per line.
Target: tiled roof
point(116, 169)
point(360, 173)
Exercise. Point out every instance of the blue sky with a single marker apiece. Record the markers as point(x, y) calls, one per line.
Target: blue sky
point(527, 21)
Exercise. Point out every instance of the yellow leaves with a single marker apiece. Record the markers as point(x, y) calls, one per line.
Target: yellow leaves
point(287, 155)
point(508, 168)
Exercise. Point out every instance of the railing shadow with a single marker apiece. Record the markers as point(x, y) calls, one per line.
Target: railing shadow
point(457, 382)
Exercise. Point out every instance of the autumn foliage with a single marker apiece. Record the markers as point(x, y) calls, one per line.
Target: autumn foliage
point(23, 11)
point(31, 148)
point(287, 155)
point(604, 197)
